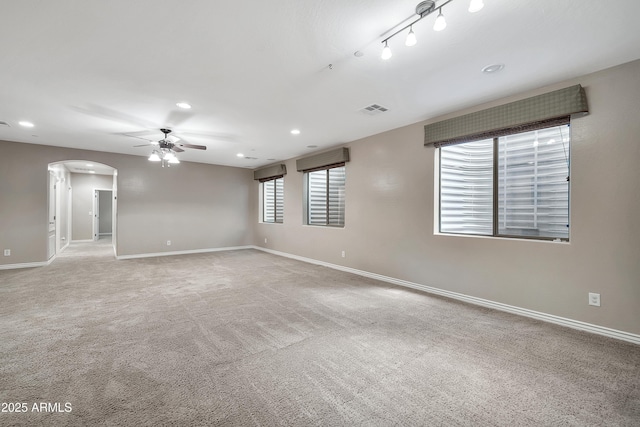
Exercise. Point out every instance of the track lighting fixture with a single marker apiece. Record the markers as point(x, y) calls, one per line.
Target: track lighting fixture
point(386, 51)
point(440, 23)
point(475, 5)
point(424, 9)
point(411, 38)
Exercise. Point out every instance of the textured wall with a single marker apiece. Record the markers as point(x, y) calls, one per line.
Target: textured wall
point(390, 218)
point(82, 202)
point(195, 205)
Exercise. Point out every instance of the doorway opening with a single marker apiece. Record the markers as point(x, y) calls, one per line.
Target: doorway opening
point(82, 201)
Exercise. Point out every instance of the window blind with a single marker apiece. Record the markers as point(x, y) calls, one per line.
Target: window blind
point(533, 186)
point(273, 199)
point(466, 188)
point(326, 196)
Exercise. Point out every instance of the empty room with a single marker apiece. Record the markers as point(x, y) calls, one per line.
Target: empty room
point(328, 213)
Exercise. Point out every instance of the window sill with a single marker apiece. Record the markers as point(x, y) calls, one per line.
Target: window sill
point(510, 239)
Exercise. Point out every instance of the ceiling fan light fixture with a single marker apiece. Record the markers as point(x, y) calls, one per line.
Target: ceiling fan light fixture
point(154, 157)
point(174, 160)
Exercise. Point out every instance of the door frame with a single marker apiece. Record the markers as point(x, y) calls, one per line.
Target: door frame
point(96, 212)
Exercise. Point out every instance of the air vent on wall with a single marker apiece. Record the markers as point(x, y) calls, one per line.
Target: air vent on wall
point(374, 109)
point(4, 124)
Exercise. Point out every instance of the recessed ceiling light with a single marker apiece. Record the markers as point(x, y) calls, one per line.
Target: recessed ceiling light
point(92, 171)
point(240, 155)
point(184, 105)
point(493, 68)
point(26, 124)
point(90, 165)
point(295, 131)
point(358, 54)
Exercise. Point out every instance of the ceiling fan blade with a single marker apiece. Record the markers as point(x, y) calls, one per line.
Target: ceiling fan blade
point(133, 135)
point(177, 149)
point(197, 147)
point(144, 145)
point(114, 115)
point(211, 136)
point(178, 117)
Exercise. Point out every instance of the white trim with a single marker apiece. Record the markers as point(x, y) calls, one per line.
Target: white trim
point(83, 241)
point(27, 264)
point(550, 318)
point(194, 251)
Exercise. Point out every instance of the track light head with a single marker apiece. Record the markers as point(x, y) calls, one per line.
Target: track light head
point(440, 23)
point(386, 51)
point(475, 5)
point(411, 38)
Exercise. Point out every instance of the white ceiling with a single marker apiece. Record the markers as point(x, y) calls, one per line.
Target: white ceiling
point(89, 73)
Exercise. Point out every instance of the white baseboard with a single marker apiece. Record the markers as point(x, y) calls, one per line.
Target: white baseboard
point(83, 241)
point(570, 323)
point(27, 264)
point(193, 251)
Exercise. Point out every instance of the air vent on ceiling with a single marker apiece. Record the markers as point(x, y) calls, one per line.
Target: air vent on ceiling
point(4, 124)
point(374, 109)
point(250, 158)
point(82, 169)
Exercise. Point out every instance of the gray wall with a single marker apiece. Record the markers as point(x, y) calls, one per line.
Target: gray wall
point(390, 218)
point(83, 185)
point(195, 205)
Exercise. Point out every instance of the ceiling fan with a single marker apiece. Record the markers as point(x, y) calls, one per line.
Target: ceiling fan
point(167, 148)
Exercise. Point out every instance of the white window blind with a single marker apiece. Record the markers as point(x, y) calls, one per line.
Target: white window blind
point(530, 195)
point(466, 188)
point(533, 187)
point(273, 200)
point(325, 197)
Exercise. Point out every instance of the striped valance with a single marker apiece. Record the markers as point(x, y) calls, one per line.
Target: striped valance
point(270, 172)
point(328, 158)
point(515, 117)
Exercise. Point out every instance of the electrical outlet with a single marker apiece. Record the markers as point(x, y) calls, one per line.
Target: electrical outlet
point(594, 299)
point(7, 252)
point(344, 254)
point(168, 242)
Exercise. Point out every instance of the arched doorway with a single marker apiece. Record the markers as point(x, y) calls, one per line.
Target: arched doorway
point(76, 188)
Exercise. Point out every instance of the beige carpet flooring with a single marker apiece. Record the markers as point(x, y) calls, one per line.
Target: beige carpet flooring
point(246, 338)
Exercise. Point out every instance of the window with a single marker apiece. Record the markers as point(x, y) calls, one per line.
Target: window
point(513, 185)
point(273, 200)
point(325, 196)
